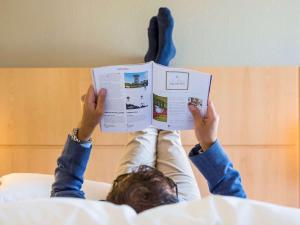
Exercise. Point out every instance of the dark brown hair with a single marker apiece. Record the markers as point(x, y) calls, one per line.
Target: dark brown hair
point(144, 188)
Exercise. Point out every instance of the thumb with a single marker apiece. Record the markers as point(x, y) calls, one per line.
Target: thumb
point(101, 100)
point(195, 113)
point(211, 111)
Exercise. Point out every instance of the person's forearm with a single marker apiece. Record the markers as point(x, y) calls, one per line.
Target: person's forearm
point(215, 166)
point(70, 169)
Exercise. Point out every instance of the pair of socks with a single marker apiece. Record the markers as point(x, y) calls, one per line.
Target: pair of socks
point(161, 46)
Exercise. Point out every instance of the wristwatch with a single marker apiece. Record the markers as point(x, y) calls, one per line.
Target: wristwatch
point(198, 147)
point(74, 137)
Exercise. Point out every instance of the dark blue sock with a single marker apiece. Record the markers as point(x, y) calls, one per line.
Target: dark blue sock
point(166, 48)
point(153, 40)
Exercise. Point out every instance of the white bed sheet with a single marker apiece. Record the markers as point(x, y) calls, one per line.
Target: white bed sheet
point(210, 210)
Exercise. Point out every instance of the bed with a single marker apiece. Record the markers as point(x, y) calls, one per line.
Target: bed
point(24, 199)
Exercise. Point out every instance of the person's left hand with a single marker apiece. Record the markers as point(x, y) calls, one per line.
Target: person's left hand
point(93, 108)
point(206, 127)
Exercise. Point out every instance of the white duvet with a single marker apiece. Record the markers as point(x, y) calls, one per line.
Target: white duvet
point(24, 199)
point(210, 210)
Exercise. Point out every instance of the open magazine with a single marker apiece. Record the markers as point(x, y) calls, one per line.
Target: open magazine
point(150, 94)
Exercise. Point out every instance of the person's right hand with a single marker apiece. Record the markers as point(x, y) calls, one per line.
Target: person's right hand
point(206, 127)
point(93, 109)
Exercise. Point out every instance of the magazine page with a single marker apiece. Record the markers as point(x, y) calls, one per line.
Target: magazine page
point(173, 90)
point(128, 102)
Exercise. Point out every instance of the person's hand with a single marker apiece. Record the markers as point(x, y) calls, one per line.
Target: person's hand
point(93, 108)
point(206, 127)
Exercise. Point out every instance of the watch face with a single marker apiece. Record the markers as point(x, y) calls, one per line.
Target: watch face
point(74, 135)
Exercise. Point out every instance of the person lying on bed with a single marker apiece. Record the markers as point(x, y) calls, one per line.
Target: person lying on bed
point(154, 170)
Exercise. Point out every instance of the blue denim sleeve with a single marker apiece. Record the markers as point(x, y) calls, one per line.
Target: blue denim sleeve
point(70, 169)
point(216, 167)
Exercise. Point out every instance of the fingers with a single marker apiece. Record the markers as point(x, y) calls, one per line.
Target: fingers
point(90, 96)
point(196, 114)
point(101, 100)
point(211, 111)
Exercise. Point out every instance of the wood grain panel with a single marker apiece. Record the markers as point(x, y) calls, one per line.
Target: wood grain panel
point(257, 106)
point(40, 106)
point(42, 159)
point(5, 161)
point(35, 159)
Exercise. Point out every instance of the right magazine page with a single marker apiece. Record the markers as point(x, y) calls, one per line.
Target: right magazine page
point(173, 90)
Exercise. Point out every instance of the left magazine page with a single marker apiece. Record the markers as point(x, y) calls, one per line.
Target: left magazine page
point(128, 101)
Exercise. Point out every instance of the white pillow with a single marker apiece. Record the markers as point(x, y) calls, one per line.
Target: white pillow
point(25, 186)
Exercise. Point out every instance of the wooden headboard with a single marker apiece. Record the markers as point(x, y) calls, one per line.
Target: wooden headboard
point(259, 127)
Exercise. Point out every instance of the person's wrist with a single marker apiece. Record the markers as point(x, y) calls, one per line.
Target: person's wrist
point(205, 145)
point(84, 133)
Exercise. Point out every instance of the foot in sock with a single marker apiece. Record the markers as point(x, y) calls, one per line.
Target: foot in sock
point(153, 40)
point(166, 48)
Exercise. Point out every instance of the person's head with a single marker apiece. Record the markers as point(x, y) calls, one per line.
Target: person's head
point(143, 189)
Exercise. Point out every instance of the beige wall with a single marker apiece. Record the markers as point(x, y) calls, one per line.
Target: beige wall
point(98, 32)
